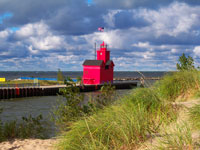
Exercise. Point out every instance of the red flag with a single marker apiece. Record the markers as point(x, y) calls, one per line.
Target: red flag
point(101, 29)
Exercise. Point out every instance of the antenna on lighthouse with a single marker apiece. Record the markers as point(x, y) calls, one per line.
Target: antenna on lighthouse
point(95, 45)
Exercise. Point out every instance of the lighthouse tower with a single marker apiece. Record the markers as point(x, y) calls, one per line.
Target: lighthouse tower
point(103, 54)
point(101, 70)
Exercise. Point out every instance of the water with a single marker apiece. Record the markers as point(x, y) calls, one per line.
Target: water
point(10, 75)
point(14, 109)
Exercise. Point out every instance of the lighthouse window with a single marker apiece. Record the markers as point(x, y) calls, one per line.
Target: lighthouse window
point(106, 67)
point(100, 53)
point(105, 46)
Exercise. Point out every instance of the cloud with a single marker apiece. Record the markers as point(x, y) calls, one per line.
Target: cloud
point(172, 20)
point(197, 51)
point(142, 35)
point(39, 36)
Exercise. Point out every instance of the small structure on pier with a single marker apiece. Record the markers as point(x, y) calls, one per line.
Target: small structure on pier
point(99, 71)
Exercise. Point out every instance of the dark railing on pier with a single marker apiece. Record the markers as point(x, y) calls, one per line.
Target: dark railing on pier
point(137, 78)
point(3, 85)
point(29, 91)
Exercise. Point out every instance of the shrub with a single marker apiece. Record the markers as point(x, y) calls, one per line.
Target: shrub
point(29, 127)
point(60, 76)
point(68, 109)
point(185, 63)
point(73, 107)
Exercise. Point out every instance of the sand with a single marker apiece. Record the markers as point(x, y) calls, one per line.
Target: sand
point(28, 144)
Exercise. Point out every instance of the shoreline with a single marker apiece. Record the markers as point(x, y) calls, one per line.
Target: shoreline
point(28, 144)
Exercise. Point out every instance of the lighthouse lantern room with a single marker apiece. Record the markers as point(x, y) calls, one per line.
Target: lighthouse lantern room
point(101, 70)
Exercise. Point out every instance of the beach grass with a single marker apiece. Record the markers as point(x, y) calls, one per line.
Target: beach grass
point(124, 125)
point(194, 114)
point(177, 138)
point(133, 119)
point(183, 85)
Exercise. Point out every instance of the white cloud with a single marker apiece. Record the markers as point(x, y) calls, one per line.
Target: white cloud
point(4, 34)
point(113, 38)
point(146, 55)
point(110, 17)
point(142, 45)
point(40, 37)
point(172, 20)
point(197, 51)
point(33, 51)
point(173, 50)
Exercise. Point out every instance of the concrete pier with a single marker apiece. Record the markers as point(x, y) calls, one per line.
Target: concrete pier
point(19, 92)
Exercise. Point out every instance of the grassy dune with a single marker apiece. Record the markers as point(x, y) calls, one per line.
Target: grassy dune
point(135, 118)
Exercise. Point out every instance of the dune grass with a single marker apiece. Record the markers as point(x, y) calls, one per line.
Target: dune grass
point(174, 85)
point(177, 138)
point(184, 134)
point(135, 117)
point(126, 124)
point(194, 114)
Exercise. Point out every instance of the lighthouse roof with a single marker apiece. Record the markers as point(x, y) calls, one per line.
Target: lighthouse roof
point(93, 63)
point(109, 62)
point(103, 44)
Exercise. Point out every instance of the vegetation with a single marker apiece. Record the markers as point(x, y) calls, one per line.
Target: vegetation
point(60, 76)
point(194, 114)
point(125, 124)
point(29, 83)
point(29, 127)
point(178, 84)
point(69, 109)
point(185, 63)
point(178, 138)
point(74, 107)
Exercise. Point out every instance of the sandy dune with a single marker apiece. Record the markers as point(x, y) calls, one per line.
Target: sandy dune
point(28, 144)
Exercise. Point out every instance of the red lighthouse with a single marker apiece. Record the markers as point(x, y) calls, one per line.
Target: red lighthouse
point(101, 70)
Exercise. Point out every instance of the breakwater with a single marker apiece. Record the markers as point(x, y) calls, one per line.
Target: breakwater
point(136, 78)
point(18, 92)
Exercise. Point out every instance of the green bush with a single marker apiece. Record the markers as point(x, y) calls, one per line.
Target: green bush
point(73, 107)
point(177, 84)
point(185, 63)
point(60, 76)
point(68, 109)
point(29, 127)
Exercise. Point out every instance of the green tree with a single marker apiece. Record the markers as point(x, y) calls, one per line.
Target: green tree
point(185, 63)
point(60, 76)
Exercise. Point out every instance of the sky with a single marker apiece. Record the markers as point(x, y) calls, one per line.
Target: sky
point(142, 35)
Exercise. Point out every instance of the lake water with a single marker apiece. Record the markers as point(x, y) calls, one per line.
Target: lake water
point(14, 109)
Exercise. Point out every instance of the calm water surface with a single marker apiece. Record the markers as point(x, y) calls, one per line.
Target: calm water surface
point(14, 109)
